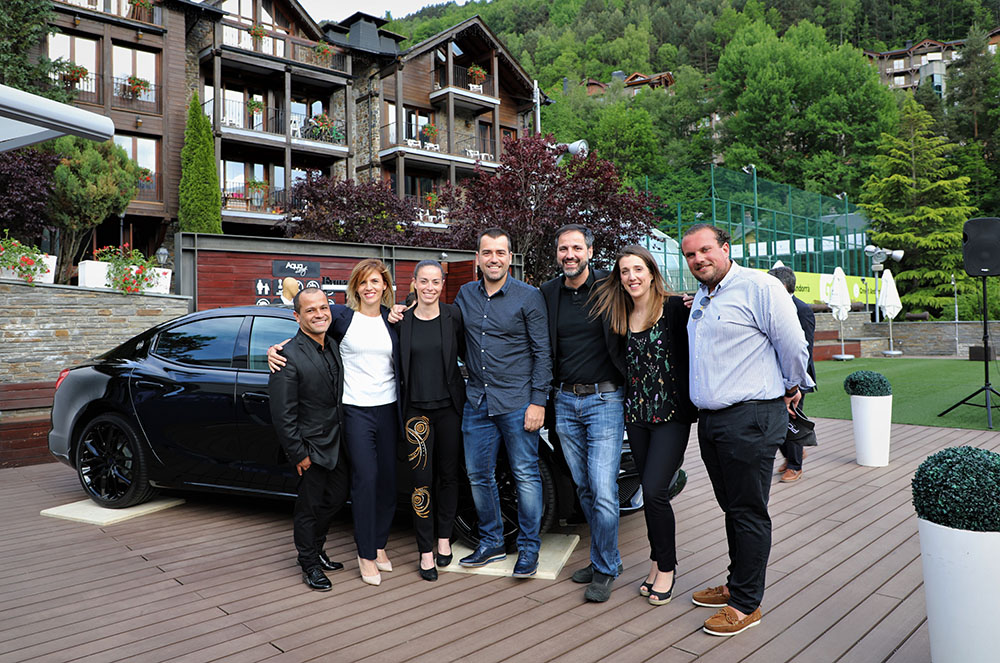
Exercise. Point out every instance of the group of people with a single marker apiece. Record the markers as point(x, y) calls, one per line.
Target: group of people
point(590, 353)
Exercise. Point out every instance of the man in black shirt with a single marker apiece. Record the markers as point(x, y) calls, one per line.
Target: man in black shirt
point(588, 399)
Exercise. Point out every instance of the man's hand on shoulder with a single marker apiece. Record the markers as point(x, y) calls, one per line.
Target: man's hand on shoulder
point(534, 417)
point(275, 361)
point(396, 312)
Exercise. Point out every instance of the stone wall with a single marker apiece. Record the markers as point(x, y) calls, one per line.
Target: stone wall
point(46, 328)
point(935, 338)
point(854, 326)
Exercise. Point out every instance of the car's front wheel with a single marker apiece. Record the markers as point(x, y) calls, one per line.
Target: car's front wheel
point(111, 463)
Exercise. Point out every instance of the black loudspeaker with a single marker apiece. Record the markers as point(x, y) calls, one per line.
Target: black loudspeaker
point(981, 246)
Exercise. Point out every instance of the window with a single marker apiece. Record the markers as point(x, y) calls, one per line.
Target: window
point(933, 57)
point(75, 49)
point(201, 343)
point(133, 62)
point(141, 150)
point(415, 119)
point(923, 59)
point(899, 80)
point(992, 48)
point(265, 333)
point(898, 64)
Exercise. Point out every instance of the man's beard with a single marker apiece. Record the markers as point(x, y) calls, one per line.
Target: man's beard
point(580, 268)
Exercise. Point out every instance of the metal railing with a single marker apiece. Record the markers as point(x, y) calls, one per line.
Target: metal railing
point(86, 89)
point(134, 98)
point(465, 145)
point(238, 115)
point(253, 197)
point(123, 8)
point(316, 128)
point(149, 188)
point(285, 46)
point(461, 79)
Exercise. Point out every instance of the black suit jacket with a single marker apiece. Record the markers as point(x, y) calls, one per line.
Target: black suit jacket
point(305, 404)
point(807, 319)
point(452, 347)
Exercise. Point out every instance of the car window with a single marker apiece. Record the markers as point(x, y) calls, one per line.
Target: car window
point(208, 342)
point(266, 332)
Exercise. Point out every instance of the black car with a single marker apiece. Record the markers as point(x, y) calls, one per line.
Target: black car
point(184, 405)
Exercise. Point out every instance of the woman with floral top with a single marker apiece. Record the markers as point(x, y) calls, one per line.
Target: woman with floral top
point(658, 412)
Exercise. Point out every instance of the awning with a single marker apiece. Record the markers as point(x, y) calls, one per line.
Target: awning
point(26, 119)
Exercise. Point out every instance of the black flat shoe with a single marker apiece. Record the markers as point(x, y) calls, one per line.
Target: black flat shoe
point(443, 560)
point(328, 564)
point(430, 574)
point(316, 580)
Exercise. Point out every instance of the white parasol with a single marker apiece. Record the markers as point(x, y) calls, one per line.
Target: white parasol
point(840, 303)
point(888, 300)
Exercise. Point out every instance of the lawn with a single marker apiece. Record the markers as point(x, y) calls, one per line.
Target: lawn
point(921, 389)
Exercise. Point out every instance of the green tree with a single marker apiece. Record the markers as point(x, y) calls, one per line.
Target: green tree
point(971, 89)
point(200, 209)
point(93, 181)
point(917, 203)
point(624, 135)
point(23, 25)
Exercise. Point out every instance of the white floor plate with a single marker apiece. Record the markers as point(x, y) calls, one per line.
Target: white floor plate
point(556, 549)
point(86, 511)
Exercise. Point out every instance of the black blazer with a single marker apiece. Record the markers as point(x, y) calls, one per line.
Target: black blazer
point(305, 404)
point(342, 317)
point(550, 291)
point(452, 347)
point(807, 319)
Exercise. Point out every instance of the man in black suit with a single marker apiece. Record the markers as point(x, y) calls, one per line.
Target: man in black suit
point(306, 410)
point(791, 470)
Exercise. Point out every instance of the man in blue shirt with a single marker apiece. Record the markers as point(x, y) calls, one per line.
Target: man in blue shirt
point(510, 371)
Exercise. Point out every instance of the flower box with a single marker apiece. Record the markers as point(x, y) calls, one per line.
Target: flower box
point(161, 281)
point(45, 277)
point(93, 274)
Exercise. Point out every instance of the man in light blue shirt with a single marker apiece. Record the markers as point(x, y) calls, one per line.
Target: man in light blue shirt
point(748, 359)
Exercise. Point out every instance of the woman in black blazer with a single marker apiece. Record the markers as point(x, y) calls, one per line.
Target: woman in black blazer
point(432, 339)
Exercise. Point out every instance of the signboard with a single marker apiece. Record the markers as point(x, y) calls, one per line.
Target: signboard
point(813, 288)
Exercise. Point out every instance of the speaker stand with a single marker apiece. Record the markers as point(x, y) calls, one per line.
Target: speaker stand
point(987, 388)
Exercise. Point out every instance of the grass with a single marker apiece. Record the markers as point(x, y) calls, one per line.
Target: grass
point(921, 389)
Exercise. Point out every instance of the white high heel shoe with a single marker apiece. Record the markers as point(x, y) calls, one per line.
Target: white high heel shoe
point(383, 566)
point(375, 580)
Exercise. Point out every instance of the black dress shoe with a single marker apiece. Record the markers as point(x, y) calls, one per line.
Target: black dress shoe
point(328, 564)
point(430, 574)
point(443, 560)
point(315, 579)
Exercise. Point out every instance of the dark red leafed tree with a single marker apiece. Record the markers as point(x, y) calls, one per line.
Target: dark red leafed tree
point(25, 188)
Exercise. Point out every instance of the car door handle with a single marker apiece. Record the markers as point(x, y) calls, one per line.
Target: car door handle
point(256, 397)
point(150, 383)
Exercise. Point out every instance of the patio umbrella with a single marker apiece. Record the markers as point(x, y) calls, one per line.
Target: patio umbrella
point(888, 300)
point(840, 304)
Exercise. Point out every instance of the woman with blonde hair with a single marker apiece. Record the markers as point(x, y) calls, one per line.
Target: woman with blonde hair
point(658, 412)
point(369, 348)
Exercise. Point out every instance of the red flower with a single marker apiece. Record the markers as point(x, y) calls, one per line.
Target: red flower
point(25, 260)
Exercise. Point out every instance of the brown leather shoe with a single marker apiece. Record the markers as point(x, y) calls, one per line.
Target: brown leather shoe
point(727, 622)
point(789, 476)
point(713, 597)
point(783, 467)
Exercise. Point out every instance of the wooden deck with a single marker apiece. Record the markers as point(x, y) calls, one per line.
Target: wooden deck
point(215, 579)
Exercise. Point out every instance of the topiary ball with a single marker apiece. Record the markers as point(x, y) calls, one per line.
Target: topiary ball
point(867, 383)
point(959, 487)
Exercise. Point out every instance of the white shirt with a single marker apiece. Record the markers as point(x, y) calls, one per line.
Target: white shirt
point(366, 350)
point(747, 344)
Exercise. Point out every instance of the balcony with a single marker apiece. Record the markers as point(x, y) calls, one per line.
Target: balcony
point(280, 45)
point(468, 146)
point(243, 115)
point(319, 128)
point(136, 95)
point(121, 8)
point(86, 90)
point(256, 197)
point(466, 94)
point(427, 214)
point(150, 188)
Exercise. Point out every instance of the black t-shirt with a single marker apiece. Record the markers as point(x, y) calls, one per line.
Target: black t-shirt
point(428, 386)
point(581, 352)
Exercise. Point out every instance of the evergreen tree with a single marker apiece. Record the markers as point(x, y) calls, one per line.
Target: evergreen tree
point(917, 203)
point(971, 90)
point(23, 25)
point(200, 209)
point(929, 99)
point(93, 181)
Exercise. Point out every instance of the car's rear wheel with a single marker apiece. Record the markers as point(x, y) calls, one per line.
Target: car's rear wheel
point(467, 521)
point(111, 463)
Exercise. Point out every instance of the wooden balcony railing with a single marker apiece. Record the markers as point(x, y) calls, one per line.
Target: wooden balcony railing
point(250, 197)
point(129, 97)
point(461, 79)
point(122, 8)
point(87, 89)
point(285, 46)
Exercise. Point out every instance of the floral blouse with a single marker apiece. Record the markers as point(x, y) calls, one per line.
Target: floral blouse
point(650, 396)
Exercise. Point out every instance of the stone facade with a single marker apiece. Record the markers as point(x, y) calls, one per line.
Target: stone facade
point(367, 119)
point(936, 339)
point(47, 328)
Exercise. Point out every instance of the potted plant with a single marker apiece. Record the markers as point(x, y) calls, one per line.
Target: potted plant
point(136, 86)
point(322, 49)
point(145, 175)
point(255, 190)
point(956, 494)
point(871, 413)
point(75, 74)
point(23, 262)
point(255, 106)
point(432, 200)
point(126, 270)
point(142, 4)
point(429, 133)
point(258, 31)
point(477, 75)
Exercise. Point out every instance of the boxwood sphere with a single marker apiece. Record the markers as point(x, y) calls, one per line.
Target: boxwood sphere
point(867, 383)
point(959, 487)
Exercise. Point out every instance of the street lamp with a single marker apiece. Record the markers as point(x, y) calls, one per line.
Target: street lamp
point(752, 169)
point(878, 257)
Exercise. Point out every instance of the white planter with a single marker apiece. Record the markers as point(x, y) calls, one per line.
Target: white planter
point(961, 583)
point(47, 277)
point(161, 281)
point(872, 418)
point(93, 274)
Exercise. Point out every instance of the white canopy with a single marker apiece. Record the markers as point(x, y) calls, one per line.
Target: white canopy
point(888, 296)
point(840, 296)
point(26, 119)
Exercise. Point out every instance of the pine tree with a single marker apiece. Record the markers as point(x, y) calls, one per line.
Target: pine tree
point(970, 88)
point(917, 203)
point(200, 207)
point(23, 24)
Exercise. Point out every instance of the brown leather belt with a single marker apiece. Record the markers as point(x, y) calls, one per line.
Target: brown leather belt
point(588, 389)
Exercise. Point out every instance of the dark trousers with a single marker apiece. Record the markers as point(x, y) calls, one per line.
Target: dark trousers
point(371, 434)
point(433, 447)
point(738, 445)
point(791, 450)
point(321, 494)
point(659, 450)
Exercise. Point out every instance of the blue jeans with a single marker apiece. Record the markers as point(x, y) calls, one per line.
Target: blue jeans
point(482, 434)
point(590, 430)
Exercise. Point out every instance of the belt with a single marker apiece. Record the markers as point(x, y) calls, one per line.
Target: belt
point(779, 399)
point(588, 389)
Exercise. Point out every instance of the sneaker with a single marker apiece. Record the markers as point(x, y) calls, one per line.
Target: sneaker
point(585, 575)
point(790, 475)
point(713, 597)
point(726, 622)
point(599, 589)
point(483, 556)
point(527, 564)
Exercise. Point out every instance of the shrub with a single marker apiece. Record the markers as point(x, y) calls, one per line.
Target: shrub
point(959, 487)
point(867, 383)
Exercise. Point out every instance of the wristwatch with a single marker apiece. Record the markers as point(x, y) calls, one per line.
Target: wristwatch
point(791, 392)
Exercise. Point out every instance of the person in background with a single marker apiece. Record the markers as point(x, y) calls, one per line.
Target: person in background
point(791, 469)
point(658, 412)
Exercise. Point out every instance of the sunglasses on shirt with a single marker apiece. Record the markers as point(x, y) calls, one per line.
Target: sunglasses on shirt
point(705, 301)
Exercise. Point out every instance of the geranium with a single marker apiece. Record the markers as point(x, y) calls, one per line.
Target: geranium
point(145, 175)
point(75, 73)
point(477, 74)
point(129, 271)
point(431, 199)
point(429, 132)
point(136, 85)
point(258, 31)
point(255, 106)
point(25, 261)
point(322, 49)
point(142, 4)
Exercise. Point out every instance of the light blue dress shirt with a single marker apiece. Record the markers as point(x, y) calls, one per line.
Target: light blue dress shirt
point(747, 343)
